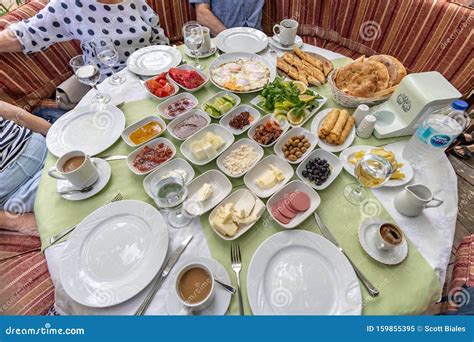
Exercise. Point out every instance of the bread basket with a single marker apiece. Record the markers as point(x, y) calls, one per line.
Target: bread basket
point(346, 100)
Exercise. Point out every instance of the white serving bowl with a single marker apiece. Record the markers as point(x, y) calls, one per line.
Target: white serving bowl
point(291, 133)
point(185, 116)
point(257, 171)
point(334, 163)
point(128, 130)
point(292, 186)
point(153, 142)
point(161, 107)
point(214, 128)
point(174, 85)
point(221, 187)
point(232, 198)
point(284, 126)
point(189, 67)
point(316, 123)
point(225, 121)
point(236, 145)
point(220, 94)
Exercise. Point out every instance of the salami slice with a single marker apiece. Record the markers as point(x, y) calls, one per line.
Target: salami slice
point(299, 201)
point(280, 217)
point(281, 207)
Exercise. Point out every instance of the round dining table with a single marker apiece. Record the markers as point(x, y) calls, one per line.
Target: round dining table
point(408, 288)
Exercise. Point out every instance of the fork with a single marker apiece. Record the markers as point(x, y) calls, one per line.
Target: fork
point(236, 260)
point(56, 238)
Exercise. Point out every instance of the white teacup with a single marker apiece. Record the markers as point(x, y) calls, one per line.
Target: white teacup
point(205, 289)
point(386, 241)
point(206, 41)
point(70, 168)
point(286, 31)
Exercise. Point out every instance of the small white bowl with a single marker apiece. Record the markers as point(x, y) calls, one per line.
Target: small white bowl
point(221, 187)
point(129, 130)
point(149, 182)
point(232, 198)
point(185, 116)
point(214, 128)
point(257, 171)
point(220, 94)
point(153, 142)
point(236, 145)
point(292, 186)
point(251, 131)
point(334, 163)
point(162, 106)
point(175, 91)
point(189, 67)
point(236, 111)
point(291, 133)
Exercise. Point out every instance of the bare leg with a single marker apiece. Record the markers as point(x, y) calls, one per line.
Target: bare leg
point(22, 223)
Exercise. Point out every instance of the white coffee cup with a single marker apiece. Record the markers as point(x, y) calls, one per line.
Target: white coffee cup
point(206, 41)
point(383, 243)
point(286, 31)
point(84, 175)
point(204, 303)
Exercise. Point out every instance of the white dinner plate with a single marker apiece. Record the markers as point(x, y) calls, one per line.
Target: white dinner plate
point(367, 231)
point(322, 143)
point(235, 56)
point(153, 60)
point(221, 300)
point(349, 152)
point(301, 273)
point(241, 39)
point(105, 172)
point(87, 129)
point(275, 41)
point(114, 253)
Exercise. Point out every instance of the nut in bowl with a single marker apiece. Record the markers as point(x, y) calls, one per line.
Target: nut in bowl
point(143, 131)
point(236, 214)
point(295, 145)
point(366, 80)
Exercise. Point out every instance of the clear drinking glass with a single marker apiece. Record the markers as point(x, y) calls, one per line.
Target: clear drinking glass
point(107, 54)
point(170, 193)
point(193, 38)
point(88, 73)
point(372, 171)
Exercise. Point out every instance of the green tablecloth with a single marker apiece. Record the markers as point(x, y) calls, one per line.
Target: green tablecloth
point(407, 288)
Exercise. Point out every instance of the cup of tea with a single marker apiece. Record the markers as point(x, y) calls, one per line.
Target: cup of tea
point(388, 236)
point(195, 286)
point(286, 31)
point(206, 40)
point(75, 167)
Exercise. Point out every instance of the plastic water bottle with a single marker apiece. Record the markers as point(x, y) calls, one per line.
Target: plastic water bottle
point(457, 111)
point(431, 139)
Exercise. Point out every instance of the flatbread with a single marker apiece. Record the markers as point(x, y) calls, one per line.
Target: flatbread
point(357, 79)
point(382, 74)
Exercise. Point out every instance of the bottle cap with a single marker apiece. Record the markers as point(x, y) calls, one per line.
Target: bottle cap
point(460, 105)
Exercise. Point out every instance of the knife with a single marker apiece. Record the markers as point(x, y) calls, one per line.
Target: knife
point(373, 292)
point(160, 277)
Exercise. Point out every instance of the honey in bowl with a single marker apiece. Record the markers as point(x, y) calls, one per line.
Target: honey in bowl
point(146, 132)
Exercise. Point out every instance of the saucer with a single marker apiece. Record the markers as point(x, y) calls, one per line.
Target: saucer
point(105, 172)
point(276, 43)
point(221, 300)
point(203, 55)
point(367, 231)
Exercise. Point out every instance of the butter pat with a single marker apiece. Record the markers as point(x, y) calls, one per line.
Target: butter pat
point(270, 178)
point(204, 193)
point(244, 205)
point(207, 147)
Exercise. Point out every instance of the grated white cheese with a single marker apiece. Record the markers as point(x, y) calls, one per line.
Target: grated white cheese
point(240, 160)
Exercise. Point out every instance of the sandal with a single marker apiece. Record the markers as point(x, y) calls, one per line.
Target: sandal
point(462, 138)
point(466, 152)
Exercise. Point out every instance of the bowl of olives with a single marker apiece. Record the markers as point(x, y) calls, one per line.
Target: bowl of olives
point(295, 145)
point(319, 169)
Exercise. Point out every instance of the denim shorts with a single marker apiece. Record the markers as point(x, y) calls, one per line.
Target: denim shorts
point(19, 181)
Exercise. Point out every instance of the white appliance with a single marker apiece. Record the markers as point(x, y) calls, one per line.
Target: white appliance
point(417, 96)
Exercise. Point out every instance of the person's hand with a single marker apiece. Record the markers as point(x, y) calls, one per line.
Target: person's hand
point(9, 42)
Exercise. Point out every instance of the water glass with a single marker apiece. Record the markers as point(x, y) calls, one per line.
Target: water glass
point(107, 54)
point(193, 39)
point(88, 73)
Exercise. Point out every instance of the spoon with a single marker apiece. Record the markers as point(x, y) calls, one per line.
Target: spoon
point(83, 190)
point(228, 288)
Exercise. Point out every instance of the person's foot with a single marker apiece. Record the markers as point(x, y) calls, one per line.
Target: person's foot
point(468, 137)
point(464, 151)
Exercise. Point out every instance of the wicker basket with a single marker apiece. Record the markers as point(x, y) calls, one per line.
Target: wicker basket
point(351, 101)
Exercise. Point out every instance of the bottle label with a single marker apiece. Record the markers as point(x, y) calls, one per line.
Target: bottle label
point(440, 140)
